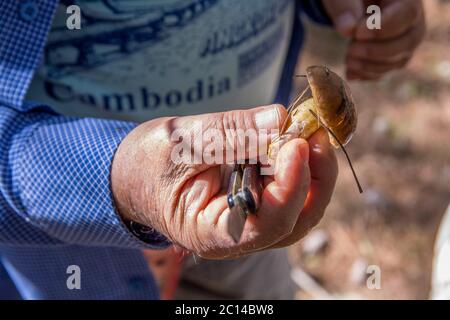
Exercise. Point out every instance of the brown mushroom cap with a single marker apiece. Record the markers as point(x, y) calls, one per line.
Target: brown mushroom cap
point(333, 102)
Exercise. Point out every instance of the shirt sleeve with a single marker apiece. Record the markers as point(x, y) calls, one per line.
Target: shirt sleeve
point(315, 11)
point(54, 170)
point(55, 181)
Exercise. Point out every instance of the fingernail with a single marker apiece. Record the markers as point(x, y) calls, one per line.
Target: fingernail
point(346, 22)
point(320, 140)
point(267, 118)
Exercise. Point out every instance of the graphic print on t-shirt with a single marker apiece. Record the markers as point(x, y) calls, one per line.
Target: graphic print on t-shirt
point(141, 59)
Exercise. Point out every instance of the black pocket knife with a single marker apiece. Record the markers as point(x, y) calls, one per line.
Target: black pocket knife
point(244, 193)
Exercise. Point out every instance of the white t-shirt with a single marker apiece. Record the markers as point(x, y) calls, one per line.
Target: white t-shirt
point(143, 59)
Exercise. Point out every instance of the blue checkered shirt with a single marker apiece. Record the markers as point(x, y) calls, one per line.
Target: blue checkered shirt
point(56, 208)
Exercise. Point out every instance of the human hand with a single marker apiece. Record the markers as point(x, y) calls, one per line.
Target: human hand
point(373, 53)
point(187, 202)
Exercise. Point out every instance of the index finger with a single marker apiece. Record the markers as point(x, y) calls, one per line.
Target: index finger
point(397, 17)
point(282, 201)
point(283, 198)
point(324, 171)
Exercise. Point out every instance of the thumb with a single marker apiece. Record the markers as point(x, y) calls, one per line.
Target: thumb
point(234, 135)
point(345, 14)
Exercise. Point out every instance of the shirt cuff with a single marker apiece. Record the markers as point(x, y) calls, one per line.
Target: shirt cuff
point(63, 179)
point(316, 11)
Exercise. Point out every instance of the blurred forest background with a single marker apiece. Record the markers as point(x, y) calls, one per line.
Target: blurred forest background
point(401, 152)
